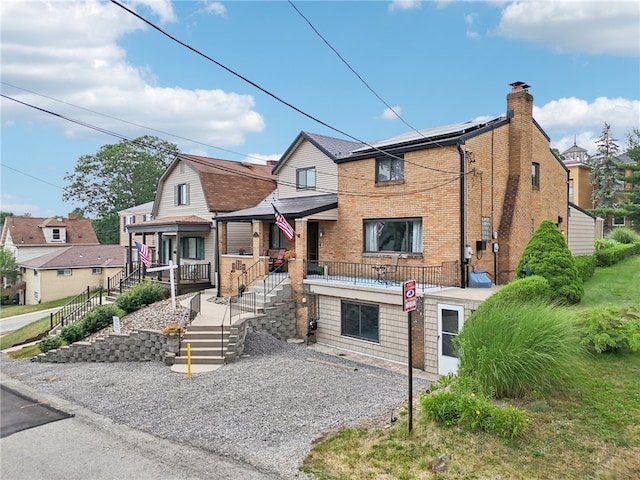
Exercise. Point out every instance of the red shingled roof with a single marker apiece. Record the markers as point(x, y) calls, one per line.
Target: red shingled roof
point(79, 256)
point(230, 185)
point(28, 230)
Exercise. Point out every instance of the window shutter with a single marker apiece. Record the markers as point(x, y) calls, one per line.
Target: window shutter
point(176, 193)
point(200, 248)
point(186, 194)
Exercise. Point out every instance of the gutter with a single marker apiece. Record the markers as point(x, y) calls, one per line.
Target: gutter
point(463, 263)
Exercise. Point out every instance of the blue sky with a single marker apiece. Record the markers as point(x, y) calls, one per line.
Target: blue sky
point(434, 63)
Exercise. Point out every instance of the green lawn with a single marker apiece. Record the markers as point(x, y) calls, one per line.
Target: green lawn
point(589, 429)
point(11, 310)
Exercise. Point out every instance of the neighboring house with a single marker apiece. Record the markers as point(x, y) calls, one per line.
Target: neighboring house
point(136, 215)
point(69, 271)
point(192, 192)
point(584, 229)
point(452, 206)
point(576, 159)
point(28, 237)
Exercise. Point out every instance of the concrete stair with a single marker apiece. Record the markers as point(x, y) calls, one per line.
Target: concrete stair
point(278, 294)
point(209, 345)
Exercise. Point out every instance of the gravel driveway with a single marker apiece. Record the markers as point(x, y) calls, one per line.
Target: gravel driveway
point(264, 409)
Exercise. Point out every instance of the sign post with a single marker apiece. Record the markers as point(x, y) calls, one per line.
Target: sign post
point(409, 304)
point(171, 267)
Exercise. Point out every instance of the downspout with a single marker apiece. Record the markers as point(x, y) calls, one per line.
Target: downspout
point(217, 256)
point(463, 265)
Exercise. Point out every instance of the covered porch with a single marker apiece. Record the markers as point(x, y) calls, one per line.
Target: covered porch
point(186, 241)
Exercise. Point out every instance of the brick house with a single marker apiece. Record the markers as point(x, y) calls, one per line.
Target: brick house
point(444, 206)
point(180, 225)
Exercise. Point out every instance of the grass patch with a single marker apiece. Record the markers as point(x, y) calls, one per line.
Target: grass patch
point(11, 310)
point(26, 352)
point(613, 285)
point(26, 332)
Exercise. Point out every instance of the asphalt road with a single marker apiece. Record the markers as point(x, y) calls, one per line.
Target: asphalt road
point(88, 446)
point(13, 323)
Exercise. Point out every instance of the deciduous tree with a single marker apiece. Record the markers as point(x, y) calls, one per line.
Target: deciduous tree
point(118, 176)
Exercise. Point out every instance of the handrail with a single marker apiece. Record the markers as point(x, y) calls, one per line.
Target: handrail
point(250, 275)
point(194, 306)
point(445, 275)
point(273, 280)
point(132, 279)
point(115, 280)
point(76, 308)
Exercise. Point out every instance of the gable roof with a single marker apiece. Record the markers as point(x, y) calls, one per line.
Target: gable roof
point(28, 230)
point(137, 209)
point(334, 148)
point(227, 185)
point(78, 256)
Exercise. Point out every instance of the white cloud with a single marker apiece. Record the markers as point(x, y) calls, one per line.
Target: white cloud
point(470, 20)
point(568, 117)
point(260, 158)
point(404, 5)
point(594, 27)
point(162, 8)
point(69, 51)
point(215, 8)
point(388, 113)
point(21, 206)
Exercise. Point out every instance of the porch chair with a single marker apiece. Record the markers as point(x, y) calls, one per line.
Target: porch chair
point(392, 268)
point(278, 261)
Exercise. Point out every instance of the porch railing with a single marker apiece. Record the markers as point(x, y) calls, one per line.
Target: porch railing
point(445, 275)
point(185, 273)
point(76, 308)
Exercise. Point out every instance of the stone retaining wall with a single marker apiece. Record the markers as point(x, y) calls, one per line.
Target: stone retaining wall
point(278, 320)
point(142, 346)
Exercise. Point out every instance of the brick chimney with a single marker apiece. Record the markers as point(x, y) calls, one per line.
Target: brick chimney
point(72, 216)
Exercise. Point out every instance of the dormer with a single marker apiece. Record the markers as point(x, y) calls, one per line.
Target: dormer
point(54, 230)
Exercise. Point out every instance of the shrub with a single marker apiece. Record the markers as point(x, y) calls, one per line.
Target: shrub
point(100, 317)
point(612, 255)
point(460, 404)
point(623, 235)
point(50, 343)
point(612, 329)
point(515, 348)
point(145, 293)
point(534, 288)
point(586, 265)
point(548, 255)
point(602, 243)
point(74, 332)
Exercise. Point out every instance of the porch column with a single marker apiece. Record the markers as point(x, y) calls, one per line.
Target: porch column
point(130, 253)
point(258, 243)
point(297, 274)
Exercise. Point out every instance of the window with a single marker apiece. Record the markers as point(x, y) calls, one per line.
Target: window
point(306, 178)
point(389, 169)
point(148, 217)
point(571, 190)
point(360, 320)
point(617, 222)
point(486, 228)
point(535, 175)
point(277, 240)
point(64, 272)
point(56, 234)
point(192, 248)
point(404, 236)
point(181, 194)
point(96, 270)
point(129, 220)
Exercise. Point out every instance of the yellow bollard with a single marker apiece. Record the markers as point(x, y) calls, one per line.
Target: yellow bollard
point(188, 360)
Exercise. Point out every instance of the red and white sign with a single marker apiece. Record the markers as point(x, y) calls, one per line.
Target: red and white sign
point(409, 296)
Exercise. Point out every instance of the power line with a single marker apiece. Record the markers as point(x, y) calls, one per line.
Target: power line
point(265, 91)
point(31, 176)
point(131, 123)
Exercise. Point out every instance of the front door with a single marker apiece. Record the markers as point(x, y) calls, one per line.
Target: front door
point(312, 247)
point(450, 320)
point(167, 250)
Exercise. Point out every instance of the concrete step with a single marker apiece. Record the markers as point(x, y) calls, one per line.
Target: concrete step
point(205, 360)
point(210, 329)
point(208, 343)
point(203, 351)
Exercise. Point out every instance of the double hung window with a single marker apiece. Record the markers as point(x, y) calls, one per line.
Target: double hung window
point(390, 169)
point(393, 235)
point(306, 178)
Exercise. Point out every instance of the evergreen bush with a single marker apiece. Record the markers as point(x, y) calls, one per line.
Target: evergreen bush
point(101, 317)
point(534, 288)
point(145, 293)
point(50, 343)
point(548, 255)
point(586, 265)
point(73, 333)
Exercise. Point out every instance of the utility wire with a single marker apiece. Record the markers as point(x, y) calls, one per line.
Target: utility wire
point(31, 176)
point(264, 90)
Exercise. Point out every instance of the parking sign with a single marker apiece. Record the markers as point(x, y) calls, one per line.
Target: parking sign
point(410, 299)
